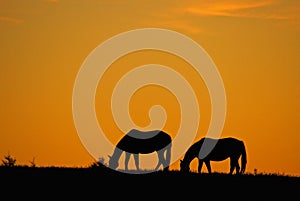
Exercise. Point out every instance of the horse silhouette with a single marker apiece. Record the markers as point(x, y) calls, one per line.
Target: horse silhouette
point(224, 148)
point(143, 142)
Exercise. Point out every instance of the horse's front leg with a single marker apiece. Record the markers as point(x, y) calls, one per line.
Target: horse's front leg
point(234, 165)
point(127, 157)
point(137, 162)
point(207, 163)
point(200, 163)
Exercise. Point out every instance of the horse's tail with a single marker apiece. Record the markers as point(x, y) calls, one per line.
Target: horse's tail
point(244, 158)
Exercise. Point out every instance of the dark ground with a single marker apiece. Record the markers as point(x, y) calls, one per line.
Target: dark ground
point(99, 183)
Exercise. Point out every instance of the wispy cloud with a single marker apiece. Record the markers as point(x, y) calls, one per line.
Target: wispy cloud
point(10, 20)
point(241, 9)
point(176, 24)
point(184, 15)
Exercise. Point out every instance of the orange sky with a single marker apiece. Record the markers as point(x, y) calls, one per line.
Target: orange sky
point(254, 44)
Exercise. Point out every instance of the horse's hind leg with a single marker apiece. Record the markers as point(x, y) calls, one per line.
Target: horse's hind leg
point(161, 160)
point(158, 164)
point(232, 166)
point(237, 167)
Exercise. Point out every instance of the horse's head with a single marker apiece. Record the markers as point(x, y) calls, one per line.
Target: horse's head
point(184, 166)
point(112, 163)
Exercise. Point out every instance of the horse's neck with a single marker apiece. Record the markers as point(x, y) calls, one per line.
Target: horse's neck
point(188, 158)
point(190, 155)
point(117, 154)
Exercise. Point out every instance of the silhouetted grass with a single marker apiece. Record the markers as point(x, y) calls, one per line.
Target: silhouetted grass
point(102, 180)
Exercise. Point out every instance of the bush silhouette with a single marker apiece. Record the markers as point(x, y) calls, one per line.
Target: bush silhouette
point(9, 161)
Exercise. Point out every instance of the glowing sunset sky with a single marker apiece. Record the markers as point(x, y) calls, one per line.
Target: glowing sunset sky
point(254, 44)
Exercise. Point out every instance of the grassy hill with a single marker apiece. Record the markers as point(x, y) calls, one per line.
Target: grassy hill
point(102, 181)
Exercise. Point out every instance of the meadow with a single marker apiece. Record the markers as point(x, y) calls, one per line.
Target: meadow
point(98, 180)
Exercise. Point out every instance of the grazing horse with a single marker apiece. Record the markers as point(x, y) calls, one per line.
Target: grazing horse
point(224, 148)
point(143, 142)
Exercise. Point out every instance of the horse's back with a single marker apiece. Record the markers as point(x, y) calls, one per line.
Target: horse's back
point(231, 142)
point(137, 141)
point(223, 147)
point(143, 134)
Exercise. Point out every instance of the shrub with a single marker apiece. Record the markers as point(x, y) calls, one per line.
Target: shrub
point(9, 161)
